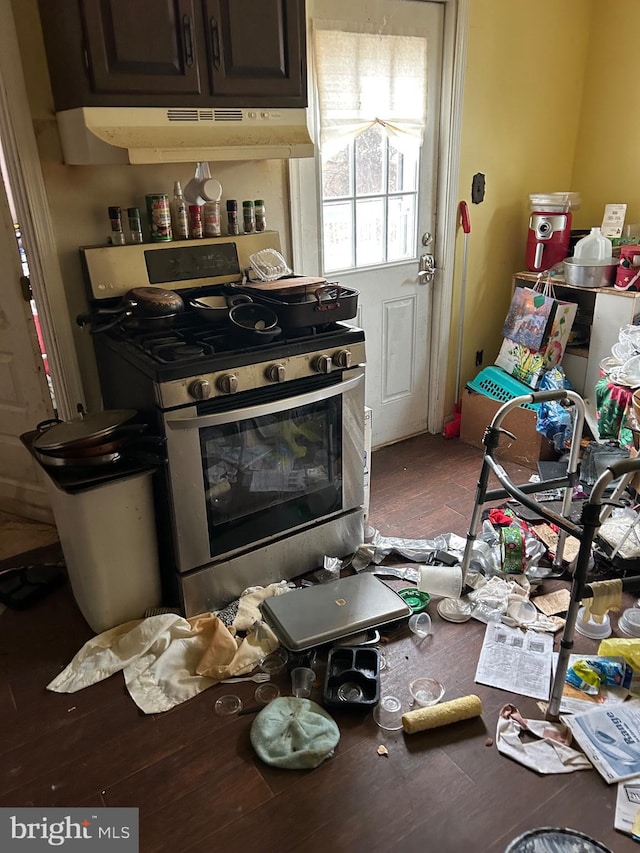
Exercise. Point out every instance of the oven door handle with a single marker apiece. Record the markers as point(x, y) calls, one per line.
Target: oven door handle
point(174, 420)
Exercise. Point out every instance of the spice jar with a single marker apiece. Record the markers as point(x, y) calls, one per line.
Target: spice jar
point(211, 211)
point(249, 217)
point(233, 226)
point(195, 221)
point(261, 215)
point(135, 225)
point(117, 234)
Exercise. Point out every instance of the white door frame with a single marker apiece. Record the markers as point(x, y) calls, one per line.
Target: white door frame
point(306, 237)
point(32, 207)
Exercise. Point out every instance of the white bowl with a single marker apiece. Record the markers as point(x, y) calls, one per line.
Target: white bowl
point(629, 622)
point(591, 628)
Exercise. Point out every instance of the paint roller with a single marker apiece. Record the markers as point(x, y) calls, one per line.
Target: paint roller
point(435, 716)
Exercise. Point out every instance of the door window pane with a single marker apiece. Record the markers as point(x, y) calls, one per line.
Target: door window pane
point(337, 174)
point(370, 239)
point(337, 235)
point(403, 170)
point(370, 156)
point(401, 227)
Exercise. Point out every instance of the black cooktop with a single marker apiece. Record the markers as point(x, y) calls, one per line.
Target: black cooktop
point(191, 347)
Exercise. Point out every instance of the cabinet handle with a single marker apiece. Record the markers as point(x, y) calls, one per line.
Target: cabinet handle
point(215, 43)
point(188, 40)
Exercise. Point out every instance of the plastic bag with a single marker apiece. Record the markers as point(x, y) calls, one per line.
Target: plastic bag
point(554, 421)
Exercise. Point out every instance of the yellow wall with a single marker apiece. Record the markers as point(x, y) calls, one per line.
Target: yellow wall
point(522, 95)
point(606, 157)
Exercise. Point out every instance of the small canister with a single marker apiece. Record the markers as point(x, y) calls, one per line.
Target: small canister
point(233, 226)
point(135, 226)
point(195, 222)
point(261, 215)
point(249, 217)
point(211, 211)
point(159, 214)
point(117, 234)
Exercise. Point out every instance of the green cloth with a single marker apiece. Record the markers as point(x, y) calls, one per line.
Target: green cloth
point(294, 733)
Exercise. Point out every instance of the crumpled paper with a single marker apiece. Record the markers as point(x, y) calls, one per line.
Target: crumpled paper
point(550, 752)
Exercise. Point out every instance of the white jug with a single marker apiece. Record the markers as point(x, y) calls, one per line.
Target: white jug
point(594, 247)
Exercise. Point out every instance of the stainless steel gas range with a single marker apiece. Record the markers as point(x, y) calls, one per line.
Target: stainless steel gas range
point(264, 441)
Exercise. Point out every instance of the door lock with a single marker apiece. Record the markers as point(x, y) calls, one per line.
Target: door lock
point(426, 268)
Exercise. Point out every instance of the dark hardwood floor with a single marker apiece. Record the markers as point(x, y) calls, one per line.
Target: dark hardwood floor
point(200, 787)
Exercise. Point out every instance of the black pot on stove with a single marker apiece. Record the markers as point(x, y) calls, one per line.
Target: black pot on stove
point(253, 323)
point(142, 309)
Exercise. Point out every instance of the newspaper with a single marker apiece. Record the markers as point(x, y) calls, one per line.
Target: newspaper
point(628, 808)
point(610, 738)
point(515, 660)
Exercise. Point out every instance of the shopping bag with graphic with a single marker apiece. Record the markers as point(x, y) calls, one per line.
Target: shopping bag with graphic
point(527, 363)
point(529, 318)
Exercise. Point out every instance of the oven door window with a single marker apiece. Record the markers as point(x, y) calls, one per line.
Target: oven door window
point(267, 475)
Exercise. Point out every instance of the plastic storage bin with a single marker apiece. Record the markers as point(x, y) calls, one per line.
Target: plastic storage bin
point(108, 539)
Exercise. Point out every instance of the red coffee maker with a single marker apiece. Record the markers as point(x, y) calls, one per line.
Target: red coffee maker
point(549, 229)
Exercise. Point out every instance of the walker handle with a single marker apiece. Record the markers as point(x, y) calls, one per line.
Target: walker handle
point(547, 396)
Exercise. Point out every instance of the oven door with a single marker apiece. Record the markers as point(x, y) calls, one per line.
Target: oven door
point(249, 469)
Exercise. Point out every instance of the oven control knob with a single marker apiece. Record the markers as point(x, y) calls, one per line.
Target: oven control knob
point(276, 373)
point(200, 389)
point(343, 358)
point(323, 364)
point(227, 383)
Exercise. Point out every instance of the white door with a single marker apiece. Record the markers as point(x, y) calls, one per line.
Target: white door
point(374, 214)
point(24, 396)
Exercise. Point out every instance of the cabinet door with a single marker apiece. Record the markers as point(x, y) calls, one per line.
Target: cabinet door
point(124, 53)
point(257, 51)
point(139, 47)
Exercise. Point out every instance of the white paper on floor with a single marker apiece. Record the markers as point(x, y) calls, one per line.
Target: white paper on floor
point(515, 660)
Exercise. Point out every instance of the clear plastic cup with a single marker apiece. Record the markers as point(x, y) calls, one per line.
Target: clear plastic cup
point(275, 662)
point(228, 705)
point(426, 691)
point(420, 625)
point(302, 681)
point(266, 693)
point(388, 713)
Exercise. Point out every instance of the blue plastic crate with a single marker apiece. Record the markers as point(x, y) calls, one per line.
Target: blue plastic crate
point(496, 383)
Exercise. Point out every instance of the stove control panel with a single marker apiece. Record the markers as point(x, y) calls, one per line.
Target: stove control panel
point(247, 377)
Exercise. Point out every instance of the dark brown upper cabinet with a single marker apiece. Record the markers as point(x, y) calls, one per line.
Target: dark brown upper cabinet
point(192, 53)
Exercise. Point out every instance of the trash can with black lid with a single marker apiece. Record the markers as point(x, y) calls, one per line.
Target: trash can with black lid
point(105, 519)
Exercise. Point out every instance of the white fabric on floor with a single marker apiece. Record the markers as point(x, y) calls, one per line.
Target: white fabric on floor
point(167, 659)
point(547, 750)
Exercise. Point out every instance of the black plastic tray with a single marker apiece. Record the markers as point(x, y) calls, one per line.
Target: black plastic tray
point(353, 677)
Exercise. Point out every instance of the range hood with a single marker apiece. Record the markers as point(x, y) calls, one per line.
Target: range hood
point(102, 135)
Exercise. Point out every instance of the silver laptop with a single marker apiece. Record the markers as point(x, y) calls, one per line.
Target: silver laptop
point(309, 617)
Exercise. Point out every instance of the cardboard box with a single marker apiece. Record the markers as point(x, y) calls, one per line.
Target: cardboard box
point(530, 446)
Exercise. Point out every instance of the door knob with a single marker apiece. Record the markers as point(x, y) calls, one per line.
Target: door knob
point(426, 268)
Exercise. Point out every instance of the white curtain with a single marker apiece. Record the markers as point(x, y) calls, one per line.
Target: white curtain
point(367, 78)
